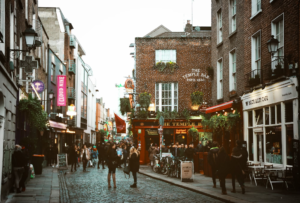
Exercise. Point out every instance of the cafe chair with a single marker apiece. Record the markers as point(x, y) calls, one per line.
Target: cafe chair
point(258, 174)
point(287, 176)
point(248, 171)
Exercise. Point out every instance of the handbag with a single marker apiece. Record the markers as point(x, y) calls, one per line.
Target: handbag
point(126, 171)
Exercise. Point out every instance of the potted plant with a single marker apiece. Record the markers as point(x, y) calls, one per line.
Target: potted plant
point(165, 67)
point(144, 100)
point(197, 98)
point(193, 133)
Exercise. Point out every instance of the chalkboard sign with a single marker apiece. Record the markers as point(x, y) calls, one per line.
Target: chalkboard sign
point(62, 160)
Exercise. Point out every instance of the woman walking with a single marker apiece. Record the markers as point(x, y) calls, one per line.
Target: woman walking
point(125, 154)
point(134, 164)
point(223, 162)
point(72, 157)
point(112, 158)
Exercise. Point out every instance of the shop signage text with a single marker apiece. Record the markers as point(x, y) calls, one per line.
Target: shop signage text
point(39, 86)
point(151, 132)
point(183, 124)
point(195, 73)
point(180, 131)
point(61, 90)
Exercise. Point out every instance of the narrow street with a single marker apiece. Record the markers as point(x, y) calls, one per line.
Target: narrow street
point(91, 186)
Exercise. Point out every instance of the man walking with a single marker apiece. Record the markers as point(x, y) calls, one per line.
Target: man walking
point(101, 155)
point(85, 156)
point(212, 160)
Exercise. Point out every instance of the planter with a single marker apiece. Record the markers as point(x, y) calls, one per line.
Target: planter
point(37, 161)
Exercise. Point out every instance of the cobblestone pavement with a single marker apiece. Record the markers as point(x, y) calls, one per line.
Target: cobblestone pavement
point(91, 186)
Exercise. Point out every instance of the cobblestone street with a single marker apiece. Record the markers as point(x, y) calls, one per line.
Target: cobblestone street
point(91, 186)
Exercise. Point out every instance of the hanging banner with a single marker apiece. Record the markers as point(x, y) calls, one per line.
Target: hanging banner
point(61, 90)
point(120, 123)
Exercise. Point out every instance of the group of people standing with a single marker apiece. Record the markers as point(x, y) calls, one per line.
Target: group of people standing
point(109, 153)
point(222, 165)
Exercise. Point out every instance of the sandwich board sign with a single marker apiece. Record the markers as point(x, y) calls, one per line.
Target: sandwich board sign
point(62, 161)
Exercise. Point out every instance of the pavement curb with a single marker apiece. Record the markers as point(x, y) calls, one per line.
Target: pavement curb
point(206, 192)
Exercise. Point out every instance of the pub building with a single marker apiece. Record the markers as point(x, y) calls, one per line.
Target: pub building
point(271, 123)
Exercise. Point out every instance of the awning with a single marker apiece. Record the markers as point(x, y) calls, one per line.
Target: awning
point(54, 124)
point(219, 107)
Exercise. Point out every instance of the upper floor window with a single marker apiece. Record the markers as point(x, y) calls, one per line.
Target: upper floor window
point(166, 96)
point(61, 69)
point(232, 13)
point(2, 20)
point(278, 32)
point(52, 72)
point(220, 79)
point(256, 51)
point(219, 24)
point(232, 70)
point(165, 56)
point(256, 6)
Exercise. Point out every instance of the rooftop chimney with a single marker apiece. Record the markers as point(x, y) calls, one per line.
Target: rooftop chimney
point(188, 27)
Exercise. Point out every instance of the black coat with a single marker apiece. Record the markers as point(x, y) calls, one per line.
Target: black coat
point(238, 159)
point(112, 156)
point(212, 157)
point(189, 153)
point(134, 162)
point(101, 151)
point(72, 155)
point(223, 163)
point(18, 159)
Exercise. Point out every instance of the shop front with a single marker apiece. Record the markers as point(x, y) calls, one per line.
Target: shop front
point(271, 123)
point(145, 133)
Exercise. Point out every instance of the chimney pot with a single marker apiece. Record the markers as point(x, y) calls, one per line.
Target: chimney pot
point(188, 21)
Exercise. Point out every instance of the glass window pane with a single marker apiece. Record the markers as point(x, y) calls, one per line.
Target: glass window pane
point(289, 145)
point(251, 146)
point(175, 94)
point(175, 101)
point(278, 113)
point(259, 117)
point(157, 101)
point(273, 145)
point(250, 118)
point(157, 86)
point(267, 113)
point(289, 112)
point(273, 115)
point(175, 86)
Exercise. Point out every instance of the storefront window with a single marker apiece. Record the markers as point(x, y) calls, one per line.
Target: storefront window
point(251, 146)
point(273, 115)
point(273, 145)
point(250, 118)
point(278, 107)
point(259, 117)
point(289, 112)
point(267, 115)
point(289, 144)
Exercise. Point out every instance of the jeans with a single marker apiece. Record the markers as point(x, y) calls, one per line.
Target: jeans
point(18, 171)
point(240, 178)
point(213, 171)
point(134, 177)
point(84, 163)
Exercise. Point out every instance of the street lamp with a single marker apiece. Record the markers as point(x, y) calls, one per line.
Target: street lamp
point(30, 35)
point(272, 45)
point(51, 94)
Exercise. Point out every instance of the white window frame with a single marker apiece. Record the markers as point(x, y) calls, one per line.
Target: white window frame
point(220, 78)
point(232, 16)
point(232, 70)
point(255, 7)
point(173, 97)
point(2, 24)
point(219, 27)
point(165, 56)
point(255, 51)
point(274, 25)
point(26, 9)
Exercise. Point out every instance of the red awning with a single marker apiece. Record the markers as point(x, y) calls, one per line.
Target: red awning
point(219, 107)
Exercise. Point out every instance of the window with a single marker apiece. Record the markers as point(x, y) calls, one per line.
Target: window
point(232, 70)
point(52, 72)
point(166, 96)
point(26, 9)
point(61, 69)
point(259, 117)
point(278, 32)
point(220, 79)
point(251, 146)
point(267, 116)
point(232, 13)
point(256, 7)
point(289, 144)
point(84, 83)
point(256, 49)
point(165, 56)
point(250, 118)
point(219, 26)
point(278, 111)
point(2, 25)
point(273, 145)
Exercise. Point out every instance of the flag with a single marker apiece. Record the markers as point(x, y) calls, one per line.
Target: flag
point(120, 123)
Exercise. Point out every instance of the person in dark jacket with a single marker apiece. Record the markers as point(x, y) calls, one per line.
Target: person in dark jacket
point(112, 159)
point(134, 164)
point(200, 146)
point(189, 153)
point(106, 149)
point(54, 155)
point(125, 155)
point(181, 150)
point(223, 168)
point(26, 168)
point(101, 155)
point(49, 155)
point(239, 158)
point(175, 151)
point(212, 160)
point(72, 157)
point(18, 163)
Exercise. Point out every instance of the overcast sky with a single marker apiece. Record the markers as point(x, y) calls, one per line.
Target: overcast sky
point(105, 28)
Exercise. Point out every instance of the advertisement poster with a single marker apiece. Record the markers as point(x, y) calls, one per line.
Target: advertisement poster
point(61, 90)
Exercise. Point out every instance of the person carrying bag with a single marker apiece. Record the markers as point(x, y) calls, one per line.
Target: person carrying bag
point(134, 164)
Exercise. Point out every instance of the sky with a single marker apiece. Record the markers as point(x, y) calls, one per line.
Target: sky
point(105, 28)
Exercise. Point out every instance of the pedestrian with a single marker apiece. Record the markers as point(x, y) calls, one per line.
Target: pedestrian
point(77, 155)
point(101, 155)
point(72, 157)
point(199, 147)
point(49, 154)
point(54, 156)
point(239, 158)
point(134, 164)
point(112, 164)
point(26, 168)
point(125, 155)
point(120, 156)
point(181, 150)
point(85, 156)
point(164, 149)
point(223, 168)
point(18, 163)
point(212, 160)
point(189, 153)
point(208, 146)
point(153, 152)
point(174, 150)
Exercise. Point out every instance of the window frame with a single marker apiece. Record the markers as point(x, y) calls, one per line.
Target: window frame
point(161, 52)
point(255, 7)
point(173, 98)
point(232, 70)
point(255, 41)
point(220, 78)
point(219, 27)
point(274, 24)
point(232, 16)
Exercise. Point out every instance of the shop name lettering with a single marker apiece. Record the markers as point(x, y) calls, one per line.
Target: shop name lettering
point(195, 73)
point(256, 101)
point(181, 124)
point(61, 92)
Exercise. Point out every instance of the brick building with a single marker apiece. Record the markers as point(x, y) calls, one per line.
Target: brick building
point(170, 91)
point(271, 100)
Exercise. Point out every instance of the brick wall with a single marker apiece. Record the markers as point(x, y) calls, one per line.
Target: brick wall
point(191, 53)
point(262, 21)
point(231, 40)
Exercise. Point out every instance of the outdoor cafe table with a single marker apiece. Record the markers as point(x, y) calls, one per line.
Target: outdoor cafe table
point(269, 171)
point(253, 172)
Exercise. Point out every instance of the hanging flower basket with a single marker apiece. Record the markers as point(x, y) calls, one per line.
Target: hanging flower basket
point(193, 133)
point(144, 100)
point(125, 106)
point(168, 67)
point(197, 98)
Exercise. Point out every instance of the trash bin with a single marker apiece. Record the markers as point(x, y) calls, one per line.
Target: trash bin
point(37, 161)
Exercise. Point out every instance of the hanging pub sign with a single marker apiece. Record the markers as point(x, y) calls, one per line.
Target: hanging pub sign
point(129, 86)
point(61, 90)
point(71, 111)
point(39, 86)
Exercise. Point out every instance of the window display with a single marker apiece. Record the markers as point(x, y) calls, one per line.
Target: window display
point(289, 144)
point(273, 145)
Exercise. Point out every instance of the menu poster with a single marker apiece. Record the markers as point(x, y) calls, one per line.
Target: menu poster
point(62, 161)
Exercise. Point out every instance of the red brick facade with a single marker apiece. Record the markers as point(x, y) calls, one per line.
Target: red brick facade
point(192, 56)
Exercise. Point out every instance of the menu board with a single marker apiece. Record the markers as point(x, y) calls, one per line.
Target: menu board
point(62, 161)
